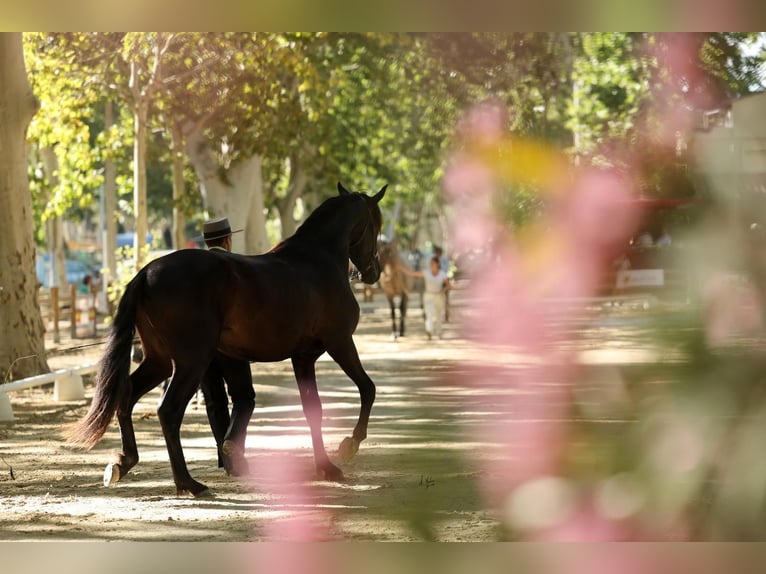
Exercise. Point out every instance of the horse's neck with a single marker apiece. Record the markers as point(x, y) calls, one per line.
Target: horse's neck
point(331, 235)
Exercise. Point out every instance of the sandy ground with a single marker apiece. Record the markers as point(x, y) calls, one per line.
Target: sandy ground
point(411, 480)
point(414, 478)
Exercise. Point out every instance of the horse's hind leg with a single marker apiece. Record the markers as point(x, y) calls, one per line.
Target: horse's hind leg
point(171, 413)
point(402, 312)
point(347, 357)
point(393, 317)
point(148, 375)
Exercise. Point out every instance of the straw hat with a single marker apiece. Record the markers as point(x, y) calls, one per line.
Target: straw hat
point(217, 229)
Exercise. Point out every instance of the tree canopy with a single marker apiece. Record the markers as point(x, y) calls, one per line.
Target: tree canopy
point(364, 108)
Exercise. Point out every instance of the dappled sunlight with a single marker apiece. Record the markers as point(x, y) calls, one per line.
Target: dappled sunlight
point(599, 202)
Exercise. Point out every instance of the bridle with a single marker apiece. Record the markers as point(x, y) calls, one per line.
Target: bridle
point(359, 240)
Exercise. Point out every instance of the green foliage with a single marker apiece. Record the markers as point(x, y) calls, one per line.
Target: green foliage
point(367, 109)
point(126, 268)
point(609, 88)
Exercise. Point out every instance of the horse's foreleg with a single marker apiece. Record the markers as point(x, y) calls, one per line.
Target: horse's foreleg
point(171, 413)
point(305, 375)
point(347, 357)
point(148, 375)
point(393, 317)
point(402, 312)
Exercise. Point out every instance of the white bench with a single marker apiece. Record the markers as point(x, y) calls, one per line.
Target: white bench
point(67, 386)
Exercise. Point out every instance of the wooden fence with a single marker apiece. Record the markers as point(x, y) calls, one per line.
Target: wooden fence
point(67, 305)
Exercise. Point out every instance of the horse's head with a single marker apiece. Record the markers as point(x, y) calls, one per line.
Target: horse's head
point(363, 246)
point(385, 251)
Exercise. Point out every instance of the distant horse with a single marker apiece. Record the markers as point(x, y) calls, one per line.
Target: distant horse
point(394, 284)
point(193, 306)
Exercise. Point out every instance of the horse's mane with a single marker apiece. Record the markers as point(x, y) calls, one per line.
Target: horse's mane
point(327, 211)
point(319, 217)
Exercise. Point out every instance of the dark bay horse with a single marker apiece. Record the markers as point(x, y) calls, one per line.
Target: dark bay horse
point(394, 284)
point(192, 307)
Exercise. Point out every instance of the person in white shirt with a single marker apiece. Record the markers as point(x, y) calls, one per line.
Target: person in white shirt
point(434, 296)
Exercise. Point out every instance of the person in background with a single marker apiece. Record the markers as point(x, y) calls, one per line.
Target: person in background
point(444, 265)
point(434, 296)
point(644, 240)
point(443, 260)
point(167, 237)
point(236, 374)
point(664, 240)
point(88, 285)
point(217, 234)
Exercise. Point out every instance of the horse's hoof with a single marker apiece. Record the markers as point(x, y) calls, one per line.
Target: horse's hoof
point(234, 461)
point(236, 466)
point(200, 491)
point(331, 473)
point(112, 474)
point(232, 449)
point(348, 448)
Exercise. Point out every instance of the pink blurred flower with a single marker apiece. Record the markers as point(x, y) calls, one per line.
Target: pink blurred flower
point(521, 305)
point(286, 477)
point(484, 123)
point(469, 185)
point(732, 309)
point(585, 524)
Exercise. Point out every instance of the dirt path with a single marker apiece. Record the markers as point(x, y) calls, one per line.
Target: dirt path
point(410, 480)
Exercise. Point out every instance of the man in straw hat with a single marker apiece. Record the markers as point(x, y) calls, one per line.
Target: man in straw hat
point(239, 381)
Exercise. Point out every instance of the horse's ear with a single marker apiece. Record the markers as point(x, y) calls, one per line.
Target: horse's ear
point(342, 190)
point(378, 196)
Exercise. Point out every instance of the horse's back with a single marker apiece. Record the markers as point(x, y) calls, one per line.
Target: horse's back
point(182, 275)
point(261, 308)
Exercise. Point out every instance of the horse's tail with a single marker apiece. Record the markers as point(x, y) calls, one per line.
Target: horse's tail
point(113, 385)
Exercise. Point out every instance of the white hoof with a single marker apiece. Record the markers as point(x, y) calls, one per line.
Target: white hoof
point(348, 448)
point(111, 474)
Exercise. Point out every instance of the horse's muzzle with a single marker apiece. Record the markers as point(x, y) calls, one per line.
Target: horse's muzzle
point(372, 273)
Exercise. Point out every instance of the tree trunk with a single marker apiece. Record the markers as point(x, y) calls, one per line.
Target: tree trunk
point(54, 229)
point(54, 234)
point(110, 204)
point(140, 116)
point(179, 189)
point(248, 174)
point(22, 347)
point(139, 184)
point(286, 204)
point(236, 193)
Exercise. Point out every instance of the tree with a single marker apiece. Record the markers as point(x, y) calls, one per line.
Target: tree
point(218, 103)
point(369, 110)
point(22, 350)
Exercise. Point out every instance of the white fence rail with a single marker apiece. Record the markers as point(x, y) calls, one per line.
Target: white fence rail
point(67, 386)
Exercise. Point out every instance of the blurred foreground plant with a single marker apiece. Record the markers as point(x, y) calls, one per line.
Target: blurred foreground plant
point(665, 448)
